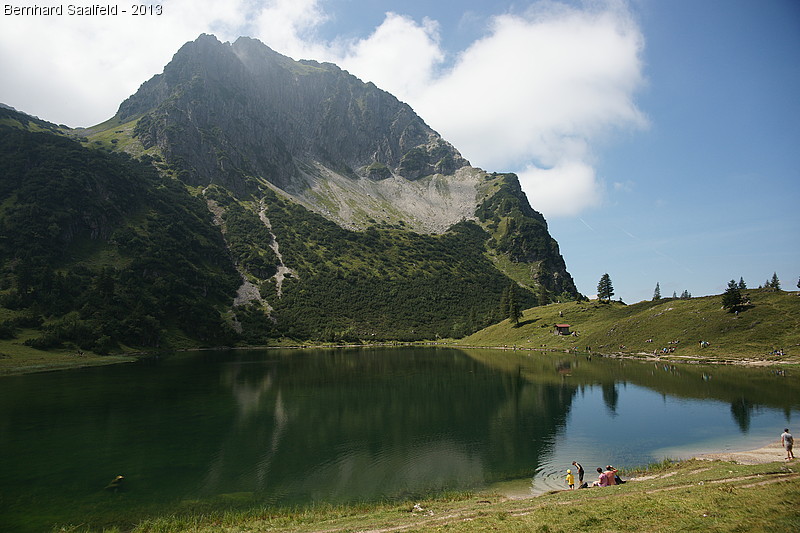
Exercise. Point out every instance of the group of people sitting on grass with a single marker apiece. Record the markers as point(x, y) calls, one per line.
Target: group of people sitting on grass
point(605, 477)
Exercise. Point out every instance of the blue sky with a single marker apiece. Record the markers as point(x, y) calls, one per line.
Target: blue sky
point(711, 188)
point(661, 139)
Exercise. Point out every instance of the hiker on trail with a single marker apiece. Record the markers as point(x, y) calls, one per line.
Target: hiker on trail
point(577, 465)
point(602, 480)
point(570, 480)
point(787, 441)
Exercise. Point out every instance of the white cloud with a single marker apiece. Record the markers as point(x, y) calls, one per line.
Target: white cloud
point(565, 189)
point(533, 95)
point(78, 69)
point(400, 56)
point(536, 94)
point(288, 27)
point(624, 186)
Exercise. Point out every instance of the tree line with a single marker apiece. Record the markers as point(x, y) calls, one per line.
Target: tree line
point(732, 298)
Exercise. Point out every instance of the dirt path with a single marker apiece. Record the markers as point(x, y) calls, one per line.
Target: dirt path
point(428, 520)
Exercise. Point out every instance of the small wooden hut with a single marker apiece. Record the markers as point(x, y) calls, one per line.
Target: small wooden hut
point(562, 329)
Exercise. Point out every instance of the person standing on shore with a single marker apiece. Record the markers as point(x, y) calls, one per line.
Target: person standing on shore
point(577, 465)
point(787, 441)
point(570, 480)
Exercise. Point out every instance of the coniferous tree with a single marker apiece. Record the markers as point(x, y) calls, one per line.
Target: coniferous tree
point(504, 304)
point(742, 284)
point(732, 298)
point(472, 321)
point(657, 292)
point(543, 296)
point(686, 295)
point(514, 312)
point(605, 290)
point(775, 283)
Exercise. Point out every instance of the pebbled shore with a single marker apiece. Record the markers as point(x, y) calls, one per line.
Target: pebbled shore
point(768, 454)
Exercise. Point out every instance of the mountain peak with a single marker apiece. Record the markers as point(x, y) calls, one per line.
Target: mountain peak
point(278, 120)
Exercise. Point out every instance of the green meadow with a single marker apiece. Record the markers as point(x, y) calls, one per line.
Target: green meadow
point(768, 330)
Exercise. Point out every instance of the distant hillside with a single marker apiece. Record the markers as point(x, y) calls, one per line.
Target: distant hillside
point(772, 323)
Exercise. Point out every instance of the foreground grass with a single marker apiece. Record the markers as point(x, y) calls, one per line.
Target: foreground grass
point(771, 324)
point(688, 496)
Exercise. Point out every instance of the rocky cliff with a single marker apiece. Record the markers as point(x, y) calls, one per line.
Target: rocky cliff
point(237, 114)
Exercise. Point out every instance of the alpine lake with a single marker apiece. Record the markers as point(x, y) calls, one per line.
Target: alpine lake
point(211, 430)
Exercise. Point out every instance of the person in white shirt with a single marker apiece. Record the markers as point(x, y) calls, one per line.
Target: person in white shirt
point(787, 441)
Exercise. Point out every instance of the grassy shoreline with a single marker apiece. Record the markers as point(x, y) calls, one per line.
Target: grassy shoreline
point(30, 361)
point(696, 494)
point(768, 333)
point(68, 360)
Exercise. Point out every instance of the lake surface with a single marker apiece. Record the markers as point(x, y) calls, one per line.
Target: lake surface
point(205, 430)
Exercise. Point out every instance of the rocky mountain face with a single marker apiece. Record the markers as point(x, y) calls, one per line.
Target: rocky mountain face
point(343, 215)
point(239, 113)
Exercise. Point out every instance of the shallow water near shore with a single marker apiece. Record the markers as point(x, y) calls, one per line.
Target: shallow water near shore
point(210, 430)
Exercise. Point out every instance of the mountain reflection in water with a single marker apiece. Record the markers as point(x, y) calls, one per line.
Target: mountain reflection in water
point(288, 427)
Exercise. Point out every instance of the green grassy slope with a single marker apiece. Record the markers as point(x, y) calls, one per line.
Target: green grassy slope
point(771, 323)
